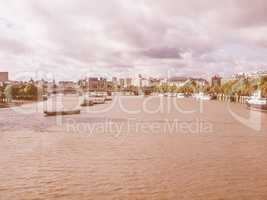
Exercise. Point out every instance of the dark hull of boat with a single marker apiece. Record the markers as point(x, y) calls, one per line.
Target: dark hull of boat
point(87, 103)
point(257, 107)
point(98, 102)
point(108, 99)
point(56, 113)
point(45, 98)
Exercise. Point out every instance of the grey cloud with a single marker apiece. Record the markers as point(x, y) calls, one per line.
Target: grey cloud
point(122, 34)
point(162, 53)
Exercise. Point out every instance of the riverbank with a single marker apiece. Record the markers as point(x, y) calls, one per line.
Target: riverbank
point(15, 103)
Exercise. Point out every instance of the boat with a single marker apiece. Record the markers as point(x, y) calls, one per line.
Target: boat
point(170, 94)
point(202, 96)
point(45, 97)
point(56, 113)
point(180, 96)
point(97, 98)
point(108, 98)
point(87, 103)
point(256, 102)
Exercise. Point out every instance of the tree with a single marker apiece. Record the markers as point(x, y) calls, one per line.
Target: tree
point(173, 88)
point(264, 89)
point(246, 88)
point(263, 85)
point(15, 90)
point(2, 88)
point(215, 89)
point(8, 93)
point(186, 90)
point(263, 80)
point(165, 88)
point(31, 90)
point(227, 88)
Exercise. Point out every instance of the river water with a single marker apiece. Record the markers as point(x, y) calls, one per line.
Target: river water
point(135, 148)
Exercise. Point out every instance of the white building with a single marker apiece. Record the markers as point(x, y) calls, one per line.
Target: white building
point(128, 82)
point(177, 81)
point(141, 82)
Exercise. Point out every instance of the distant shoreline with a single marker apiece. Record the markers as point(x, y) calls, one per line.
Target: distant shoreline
point(15, 103)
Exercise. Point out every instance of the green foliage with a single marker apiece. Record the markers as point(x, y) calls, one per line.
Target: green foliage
point(227, 87)
point(263, 85)
point(247, 88)
point(242, 87)
point(173, 88)
point(264, 89)
point(30, 90)
point(2, 88)
point(165, 88)
point(263, 80)
point(215, 89)
point(8, 91)
point(22, 91)
point(186, 90)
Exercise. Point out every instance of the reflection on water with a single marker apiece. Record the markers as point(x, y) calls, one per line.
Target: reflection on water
point(41, 160)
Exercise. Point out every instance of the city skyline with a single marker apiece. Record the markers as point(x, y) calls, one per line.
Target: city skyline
point(122, 38)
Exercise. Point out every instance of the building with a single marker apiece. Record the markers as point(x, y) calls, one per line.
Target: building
point(3, 76)
point(262, 73)
point(243, 75)
point(227, 79)
point(216, 81)
point(115, 81)
point(93, 83)
point(128, 82)
point(144, 82)
point(153, 82)
point(177, 81)
point(102, 83)
point(141, 82)
point(66, 84)
point(201, 81)
point(97, 83)
point(82, 83)
point(122, 82)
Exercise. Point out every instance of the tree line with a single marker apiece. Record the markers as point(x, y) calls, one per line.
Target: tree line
point(241, 87)
point(26, 91)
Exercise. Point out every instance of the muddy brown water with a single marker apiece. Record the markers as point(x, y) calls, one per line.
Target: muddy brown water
point(135, 148)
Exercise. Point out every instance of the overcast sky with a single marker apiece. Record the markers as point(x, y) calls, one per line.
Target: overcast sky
point(70, 39)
